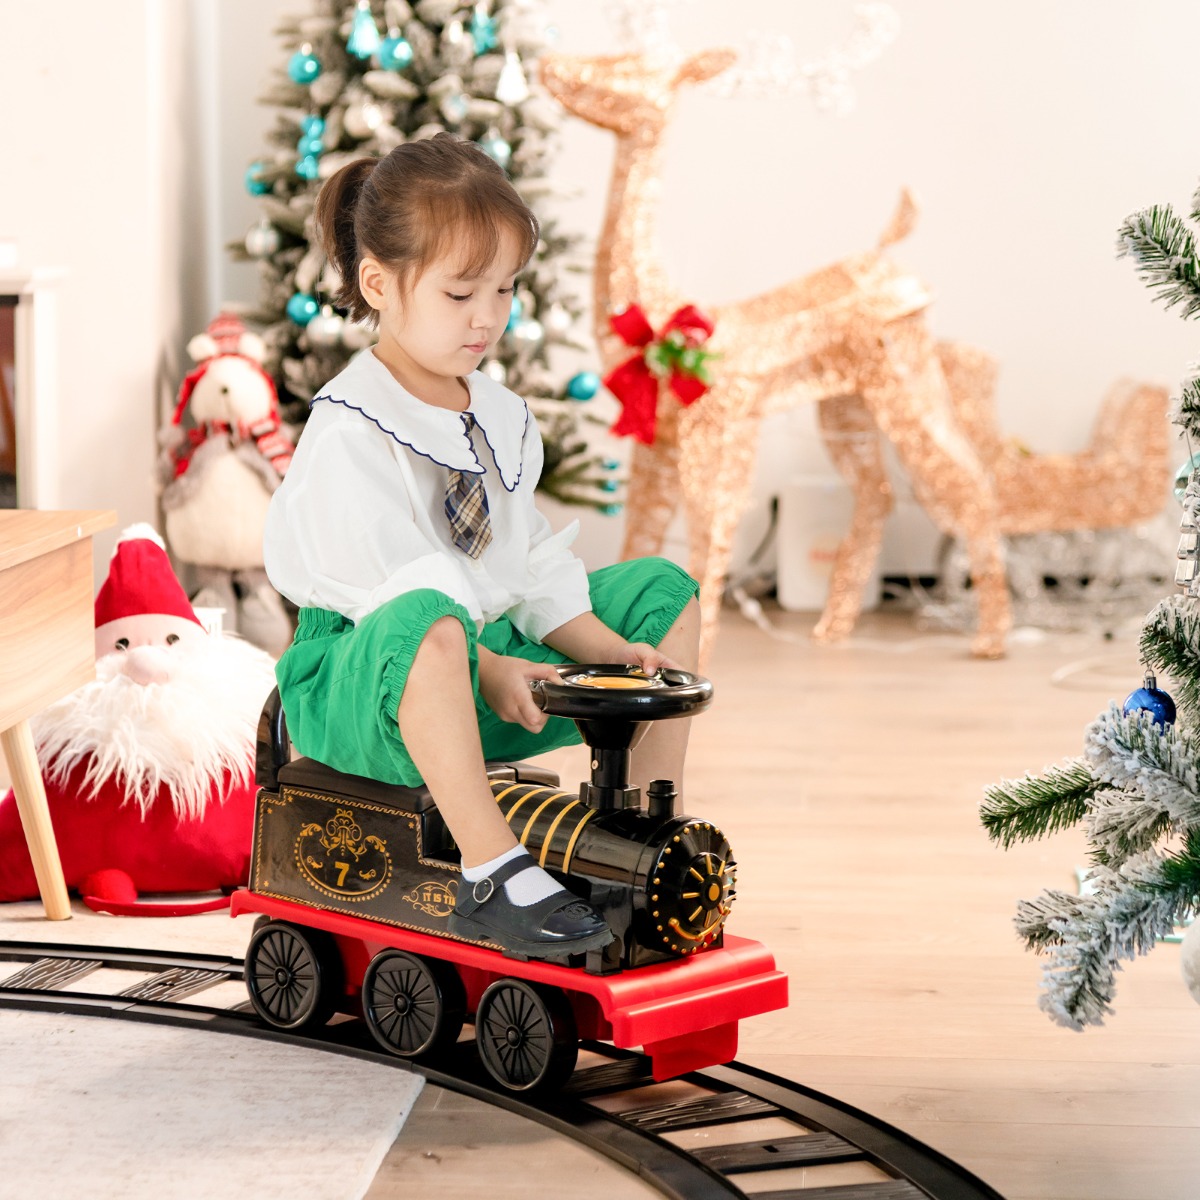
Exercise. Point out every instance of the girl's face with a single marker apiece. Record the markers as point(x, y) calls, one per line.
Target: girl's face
point(441, 330)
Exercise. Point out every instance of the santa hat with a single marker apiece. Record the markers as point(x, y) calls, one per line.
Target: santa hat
point(141, 581)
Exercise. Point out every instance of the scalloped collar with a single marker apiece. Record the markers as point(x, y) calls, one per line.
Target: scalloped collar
point(440, 434)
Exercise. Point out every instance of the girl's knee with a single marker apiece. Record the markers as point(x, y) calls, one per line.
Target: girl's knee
point(445, 638)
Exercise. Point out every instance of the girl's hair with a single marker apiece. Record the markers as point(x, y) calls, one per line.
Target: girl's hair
point(423, 200)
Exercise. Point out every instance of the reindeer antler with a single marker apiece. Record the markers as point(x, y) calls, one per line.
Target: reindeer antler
point(770, 66)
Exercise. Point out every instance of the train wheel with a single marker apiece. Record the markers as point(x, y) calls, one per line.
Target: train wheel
point(294, 976)
point(413, 1006)
point(526, 1035)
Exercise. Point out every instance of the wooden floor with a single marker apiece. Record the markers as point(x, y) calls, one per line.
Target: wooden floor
point(848, 780)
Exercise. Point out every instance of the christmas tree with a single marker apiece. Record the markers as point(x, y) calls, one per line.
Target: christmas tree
point(359, 79)
point(1136, 790)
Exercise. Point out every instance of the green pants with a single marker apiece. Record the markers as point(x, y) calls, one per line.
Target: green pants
point(341, 683)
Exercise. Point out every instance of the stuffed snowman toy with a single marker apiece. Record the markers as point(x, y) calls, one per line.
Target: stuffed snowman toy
point(218, 475)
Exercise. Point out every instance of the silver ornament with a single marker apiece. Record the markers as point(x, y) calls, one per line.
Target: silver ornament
point(361, 120)
point(530, 332)
point(262, 240)
point(325, 329)
point(495, 369)
point(558, 319)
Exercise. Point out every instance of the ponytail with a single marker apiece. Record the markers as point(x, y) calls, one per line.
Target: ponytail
point(337, 203)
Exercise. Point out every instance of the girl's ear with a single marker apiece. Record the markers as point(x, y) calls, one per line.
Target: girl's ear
point(373, 280)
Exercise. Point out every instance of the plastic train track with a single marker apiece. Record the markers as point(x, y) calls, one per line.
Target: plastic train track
point(610, 1104)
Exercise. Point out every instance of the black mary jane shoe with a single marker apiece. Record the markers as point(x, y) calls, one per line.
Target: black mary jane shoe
point(561, 924)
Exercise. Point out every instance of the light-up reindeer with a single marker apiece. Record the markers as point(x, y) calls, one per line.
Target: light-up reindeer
point(851, 338)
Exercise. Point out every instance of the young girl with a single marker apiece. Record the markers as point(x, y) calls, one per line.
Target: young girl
point(431, 590)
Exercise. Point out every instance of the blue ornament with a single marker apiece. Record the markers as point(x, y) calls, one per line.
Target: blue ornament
point(395, 54)
point(515, 314)
point(312, 125)
point(1184, 474)
point(497, 149)
point(455, 107)
point(256, 185)
point(310, 145)
point(611, 510)
point(483, 30)
point(302, 307)
point(1150, 698)
point(609, 485)
point(612, 464)
point(583, 386)
point(308, 167)
point(364, 33)
point(304, 66)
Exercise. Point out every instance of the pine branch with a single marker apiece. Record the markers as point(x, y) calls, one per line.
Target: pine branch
point(1170, 643)
point(1164, 252)
point(1088, 937)
point(1019, 810)
point(1187, 407)
point(1121, 825)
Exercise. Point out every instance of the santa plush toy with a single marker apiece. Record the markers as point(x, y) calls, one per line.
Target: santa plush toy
point(226, 453)
point(149, 768)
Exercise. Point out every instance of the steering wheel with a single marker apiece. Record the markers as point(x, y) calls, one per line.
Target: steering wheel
point(619, 691)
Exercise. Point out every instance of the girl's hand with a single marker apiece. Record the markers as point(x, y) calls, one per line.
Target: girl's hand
point(648, 657)
point(504, 685)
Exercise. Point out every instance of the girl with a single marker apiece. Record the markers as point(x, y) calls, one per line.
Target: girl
point(431, 590)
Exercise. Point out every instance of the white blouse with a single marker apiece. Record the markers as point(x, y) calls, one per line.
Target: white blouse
point(360, 516)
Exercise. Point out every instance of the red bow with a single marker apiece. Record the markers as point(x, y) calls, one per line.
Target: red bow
point(673, 354)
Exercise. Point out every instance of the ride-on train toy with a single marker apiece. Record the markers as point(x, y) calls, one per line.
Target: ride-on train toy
point(356, 880)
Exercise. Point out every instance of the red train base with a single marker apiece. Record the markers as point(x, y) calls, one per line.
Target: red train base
point(415, 990)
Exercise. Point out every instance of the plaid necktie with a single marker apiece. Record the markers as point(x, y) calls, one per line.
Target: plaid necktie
point(467, 507)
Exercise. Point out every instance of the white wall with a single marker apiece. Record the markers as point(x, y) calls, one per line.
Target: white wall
point(94, 169)
point(1029, 130)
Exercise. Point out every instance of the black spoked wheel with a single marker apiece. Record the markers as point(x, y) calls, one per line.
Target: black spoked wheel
point(413, 1007)
point(526, 1035)
point(294, 976)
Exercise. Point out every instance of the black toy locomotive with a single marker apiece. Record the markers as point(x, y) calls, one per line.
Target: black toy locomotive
point(359, 880)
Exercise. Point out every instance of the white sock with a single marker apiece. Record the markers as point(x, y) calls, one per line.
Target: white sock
point(523, 889)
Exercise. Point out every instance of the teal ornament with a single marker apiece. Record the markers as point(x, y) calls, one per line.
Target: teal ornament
point(583, 386)
point(1152, 699)
point(612, 464)
point(364, 37)
point(497, 149)
point(256, 185)
point(515, 314)
point(302, 307)
point(308, 167)
point(395, 54)
point(483, 30)
point(304, 66)
point(312, 125)
point(609, 485)
point(611, 510)
point(310, 145)
point(1184, 474)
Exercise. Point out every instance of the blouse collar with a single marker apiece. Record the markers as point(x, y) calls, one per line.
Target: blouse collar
point(367, 386)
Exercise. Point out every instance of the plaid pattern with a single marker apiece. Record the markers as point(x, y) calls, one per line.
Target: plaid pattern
point(467, 508)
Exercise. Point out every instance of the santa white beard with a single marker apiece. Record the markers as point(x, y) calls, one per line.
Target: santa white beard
point(187, 735)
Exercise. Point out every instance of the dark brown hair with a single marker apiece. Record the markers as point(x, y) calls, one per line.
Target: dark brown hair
point(408, 209)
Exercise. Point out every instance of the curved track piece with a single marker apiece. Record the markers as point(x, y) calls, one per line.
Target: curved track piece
point(614, 1108)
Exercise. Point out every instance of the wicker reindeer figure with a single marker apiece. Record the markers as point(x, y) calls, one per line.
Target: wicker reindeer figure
point(851, 338)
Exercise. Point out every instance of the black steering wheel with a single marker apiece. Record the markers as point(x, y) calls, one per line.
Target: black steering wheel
point(618, 691)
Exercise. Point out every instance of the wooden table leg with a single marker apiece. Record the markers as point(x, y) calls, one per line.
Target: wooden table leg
point(35, 819)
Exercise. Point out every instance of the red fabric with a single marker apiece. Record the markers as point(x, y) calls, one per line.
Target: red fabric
point(633, 382)
point(160, 854)
point(140, 581)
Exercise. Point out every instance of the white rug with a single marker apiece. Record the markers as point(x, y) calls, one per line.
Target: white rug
point(105, 1109)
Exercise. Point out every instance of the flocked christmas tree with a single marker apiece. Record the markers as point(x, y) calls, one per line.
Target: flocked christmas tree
point(1137, 787)
point(359, 79)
